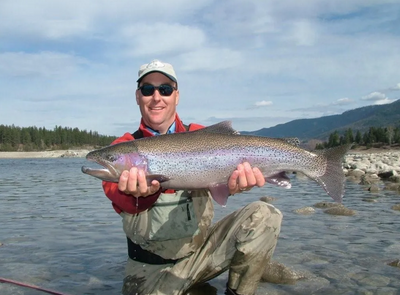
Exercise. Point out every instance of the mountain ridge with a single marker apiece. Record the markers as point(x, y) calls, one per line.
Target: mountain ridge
point(320, 128)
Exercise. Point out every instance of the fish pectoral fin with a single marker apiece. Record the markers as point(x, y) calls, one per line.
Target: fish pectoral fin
point(279, 179)
point(220, 193)
point(159, 177)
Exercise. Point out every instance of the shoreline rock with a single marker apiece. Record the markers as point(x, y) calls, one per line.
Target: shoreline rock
point(78, 153)
point(277, 273)
point(369, 168)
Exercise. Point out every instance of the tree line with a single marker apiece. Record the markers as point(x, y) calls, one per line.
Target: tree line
point(375, 136)
point(13, 138)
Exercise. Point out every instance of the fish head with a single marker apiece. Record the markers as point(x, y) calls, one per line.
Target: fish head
point(114, 163)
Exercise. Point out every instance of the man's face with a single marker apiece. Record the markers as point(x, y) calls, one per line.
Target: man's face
point(158, 112)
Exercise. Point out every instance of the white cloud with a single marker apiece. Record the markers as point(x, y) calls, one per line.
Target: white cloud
point(378, 98)
point(304, 32)
point(374, 96)
point(395, 88)
point(46, 19)
point(161, 38)
point(343, 101)
point(383, 101)
point(211, 59)
point(58, 19)
point(263, 103)
point(45, 64)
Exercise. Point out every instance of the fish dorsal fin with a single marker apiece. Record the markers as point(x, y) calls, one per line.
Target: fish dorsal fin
point(292, 140)
point(224, 127)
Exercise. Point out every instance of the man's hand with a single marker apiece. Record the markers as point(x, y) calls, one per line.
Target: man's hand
point(245, 178)
point(133, 182)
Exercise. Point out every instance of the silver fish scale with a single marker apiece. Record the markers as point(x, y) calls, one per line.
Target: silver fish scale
point(197, 158)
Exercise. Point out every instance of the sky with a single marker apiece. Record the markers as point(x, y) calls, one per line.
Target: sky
point(255, 63)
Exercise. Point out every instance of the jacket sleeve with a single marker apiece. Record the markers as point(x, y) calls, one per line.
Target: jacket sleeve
point(127, 203)
point(123, 202)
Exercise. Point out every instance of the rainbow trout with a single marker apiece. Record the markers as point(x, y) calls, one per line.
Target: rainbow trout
point(205, 159)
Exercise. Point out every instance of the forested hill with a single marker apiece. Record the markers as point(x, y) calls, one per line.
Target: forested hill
point(14, 138)
point(360, 119)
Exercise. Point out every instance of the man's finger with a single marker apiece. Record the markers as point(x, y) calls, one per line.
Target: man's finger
point(260, 179)
point(155, 186)
point(249, 174)
point(123, 180)
point(142, 183)
point(242, 179)
point(132, 180)
point(233, 180)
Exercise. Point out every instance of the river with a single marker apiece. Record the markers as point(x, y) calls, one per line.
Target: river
point(60, 232)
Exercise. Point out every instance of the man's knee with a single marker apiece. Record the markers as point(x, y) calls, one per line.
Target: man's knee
point(265, 213)
point(262, 221)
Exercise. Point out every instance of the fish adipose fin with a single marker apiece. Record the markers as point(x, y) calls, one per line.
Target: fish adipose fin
point(220, 193)
point(333, 179)
point(280, 179)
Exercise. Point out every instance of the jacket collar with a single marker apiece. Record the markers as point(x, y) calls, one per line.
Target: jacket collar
point(147, 133)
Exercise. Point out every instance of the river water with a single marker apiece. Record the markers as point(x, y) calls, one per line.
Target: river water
point(59, 231)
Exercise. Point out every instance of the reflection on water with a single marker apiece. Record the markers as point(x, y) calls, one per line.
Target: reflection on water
point(60, 232)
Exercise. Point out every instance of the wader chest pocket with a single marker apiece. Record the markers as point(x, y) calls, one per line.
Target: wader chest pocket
point(172, 218)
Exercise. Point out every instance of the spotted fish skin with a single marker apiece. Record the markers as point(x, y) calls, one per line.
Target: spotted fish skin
point(205, 159)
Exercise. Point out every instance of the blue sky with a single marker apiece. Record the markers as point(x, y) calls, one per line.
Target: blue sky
point(256, 63)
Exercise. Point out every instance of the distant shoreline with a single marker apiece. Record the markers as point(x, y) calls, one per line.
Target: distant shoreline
point(45, 154)
point(81, 153)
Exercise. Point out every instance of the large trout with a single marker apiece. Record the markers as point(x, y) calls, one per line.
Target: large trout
point(205, 159)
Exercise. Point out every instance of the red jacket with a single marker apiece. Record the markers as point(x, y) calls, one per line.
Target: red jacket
point(128, 203)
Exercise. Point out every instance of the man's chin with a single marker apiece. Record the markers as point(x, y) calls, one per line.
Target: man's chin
point(155, 122)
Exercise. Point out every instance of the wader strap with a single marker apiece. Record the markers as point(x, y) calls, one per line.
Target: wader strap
point(136, 253)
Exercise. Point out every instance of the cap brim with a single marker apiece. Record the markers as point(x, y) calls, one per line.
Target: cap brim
point(165, 74)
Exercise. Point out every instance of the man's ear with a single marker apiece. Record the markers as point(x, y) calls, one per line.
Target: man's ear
point(137, 96)
point(177, 97)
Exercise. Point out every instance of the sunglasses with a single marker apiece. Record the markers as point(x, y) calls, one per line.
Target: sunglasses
point(163, 89)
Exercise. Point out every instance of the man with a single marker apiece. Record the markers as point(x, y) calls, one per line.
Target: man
point(172, 244)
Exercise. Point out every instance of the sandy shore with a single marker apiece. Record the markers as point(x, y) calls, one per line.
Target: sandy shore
point(44, 154)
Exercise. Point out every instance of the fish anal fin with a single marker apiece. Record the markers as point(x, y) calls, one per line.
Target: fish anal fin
point(279, 179)
point(220, 193)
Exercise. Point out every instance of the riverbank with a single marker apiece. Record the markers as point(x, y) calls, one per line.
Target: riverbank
point(45, 154)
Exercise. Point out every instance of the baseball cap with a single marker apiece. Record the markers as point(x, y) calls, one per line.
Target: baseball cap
point(157, 66)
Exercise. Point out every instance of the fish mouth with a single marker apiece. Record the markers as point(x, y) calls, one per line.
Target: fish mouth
point(109, 173)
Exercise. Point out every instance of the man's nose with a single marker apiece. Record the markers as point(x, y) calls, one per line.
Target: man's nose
point(156, 95)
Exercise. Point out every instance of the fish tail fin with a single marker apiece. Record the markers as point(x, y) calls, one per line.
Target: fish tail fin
point(333, 179)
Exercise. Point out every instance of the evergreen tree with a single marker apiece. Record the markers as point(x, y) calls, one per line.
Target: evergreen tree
point(349, 138)
point(358, 138)
point(14, 138)
point(334, 139)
